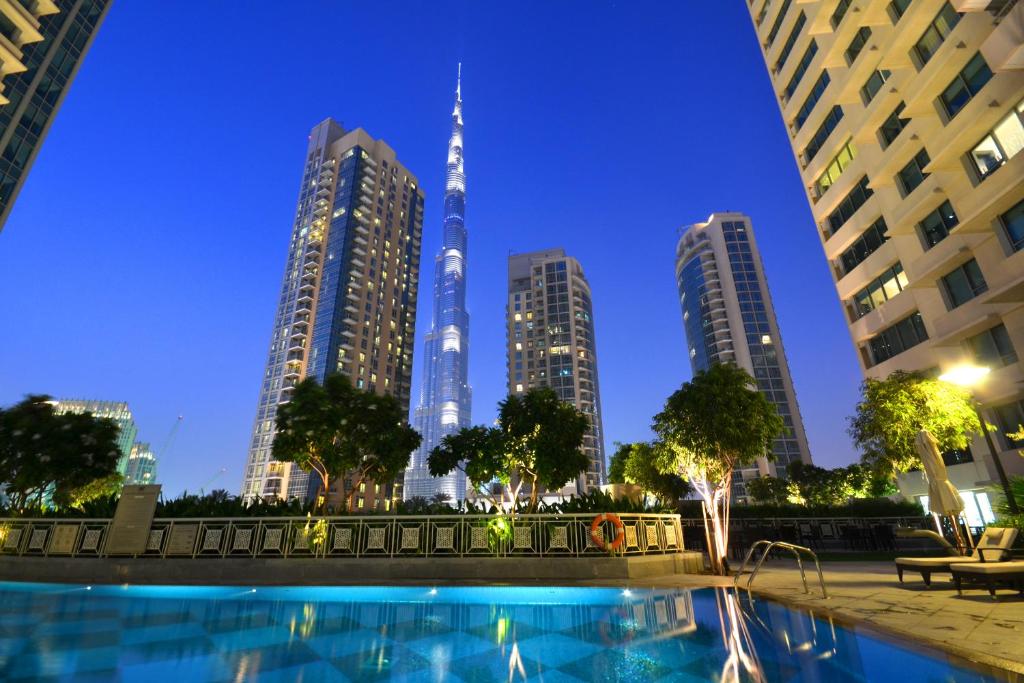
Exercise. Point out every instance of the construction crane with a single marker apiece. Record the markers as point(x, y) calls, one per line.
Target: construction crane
point(217, 474)
point(169, 441)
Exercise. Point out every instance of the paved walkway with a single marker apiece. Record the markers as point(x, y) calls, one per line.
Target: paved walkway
point(973, 626)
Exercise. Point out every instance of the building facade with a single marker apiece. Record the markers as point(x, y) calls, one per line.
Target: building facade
point(550, 343)
point(445, 397)
point(729, 318)
point(141, 465)
point(117, 411)
point(907, 121)
point(42, 45)
point(348, 299)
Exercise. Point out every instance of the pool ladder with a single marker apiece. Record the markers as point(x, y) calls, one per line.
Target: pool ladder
point(797, 550)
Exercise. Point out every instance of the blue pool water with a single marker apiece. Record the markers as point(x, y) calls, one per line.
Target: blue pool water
point(448, 634)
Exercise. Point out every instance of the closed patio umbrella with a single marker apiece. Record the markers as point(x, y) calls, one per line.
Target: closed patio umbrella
point(943, 498)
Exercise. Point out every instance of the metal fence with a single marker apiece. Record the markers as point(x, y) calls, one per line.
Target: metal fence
point(850, 534)
point(541, 535)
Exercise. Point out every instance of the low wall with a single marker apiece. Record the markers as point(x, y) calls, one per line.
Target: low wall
point(327, 571)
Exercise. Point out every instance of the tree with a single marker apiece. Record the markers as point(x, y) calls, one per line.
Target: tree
point(641, 468)
point(769, 490)
point(538, 443)
point(893, 410)
point(43, 451)
point(334, 429)
point(617, 463)
point(712, 425)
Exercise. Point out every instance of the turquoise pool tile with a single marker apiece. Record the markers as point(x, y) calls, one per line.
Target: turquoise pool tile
point(555, 649)
point(332, 646)
point(148, 634)
point(448, 648)
point(258, 660)
point(257, 637)
point(208, 667)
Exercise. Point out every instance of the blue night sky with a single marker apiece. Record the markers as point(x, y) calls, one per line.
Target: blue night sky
point(144, 256)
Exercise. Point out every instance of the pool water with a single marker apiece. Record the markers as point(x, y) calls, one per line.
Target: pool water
point(449, 634)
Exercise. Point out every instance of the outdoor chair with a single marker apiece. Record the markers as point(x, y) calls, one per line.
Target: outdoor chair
point(992, 574)
point(993, 547)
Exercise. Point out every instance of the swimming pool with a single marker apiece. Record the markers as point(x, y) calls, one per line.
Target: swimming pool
point(470, 635)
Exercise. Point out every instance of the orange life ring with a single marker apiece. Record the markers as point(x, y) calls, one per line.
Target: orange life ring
point(620, 530)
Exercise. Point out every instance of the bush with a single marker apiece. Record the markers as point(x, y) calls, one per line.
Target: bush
point(858, 507)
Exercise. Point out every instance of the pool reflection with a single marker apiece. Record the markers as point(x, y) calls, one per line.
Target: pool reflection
point(449, 634)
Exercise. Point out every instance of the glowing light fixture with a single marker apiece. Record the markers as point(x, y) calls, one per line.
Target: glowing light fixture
point(965, 375)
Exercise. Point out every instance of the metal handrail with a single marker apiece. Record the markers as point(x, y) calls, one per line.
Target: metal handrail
point(796, 550)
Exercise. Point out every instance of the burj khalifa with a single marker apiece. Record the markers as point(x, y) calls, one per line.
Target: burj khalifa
point(445, 397)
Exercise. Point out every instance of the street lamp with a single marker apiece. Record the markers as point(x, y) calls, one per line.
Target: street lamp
point(969, 376)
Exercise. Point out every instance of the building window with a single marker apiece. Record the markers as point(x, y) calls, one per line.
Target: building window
point(865, 245)
point(812, 99)
point(840, 13)
point(849, 205)
point(936, 226)
point(832, 120)
point(893, 126)
point(965, 86)
point(1001, 144)
point(860, 39)
point(912, 175)
point(1013, 224)
point(993, 347)
point(896, 339)
point(778, 23)
point(873, 85)
point(891, 282)
point(834, 169)
point(963, 284)
point(897, 8)
point(790, 42)
point(930, 41)
point(801, 69)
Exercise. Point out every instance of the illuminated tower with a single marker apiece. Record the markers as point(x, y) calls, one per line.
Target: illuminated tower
point(348, 299)
point(445, 399)
point(729, 318)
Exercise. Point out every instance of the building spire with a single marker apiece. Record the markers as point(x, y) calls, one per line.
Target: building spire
point(458, 84)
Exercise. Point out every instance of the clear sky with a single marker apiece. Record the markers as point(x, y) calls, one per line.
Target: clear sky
point(143, 259)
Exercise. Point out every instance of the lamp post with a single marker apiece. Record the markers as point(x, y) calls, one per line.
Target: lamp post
point(969, 376)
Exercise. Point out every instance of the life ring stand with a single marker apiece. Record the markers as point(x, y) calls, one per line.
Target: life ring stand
point(620, 531)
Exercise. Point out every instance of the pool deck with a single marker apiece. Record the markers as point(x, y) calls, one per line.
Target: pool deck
point(973, 626)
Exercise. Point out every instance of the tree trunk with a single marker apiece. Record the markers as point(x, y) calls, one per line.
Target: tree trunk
point(534, 493)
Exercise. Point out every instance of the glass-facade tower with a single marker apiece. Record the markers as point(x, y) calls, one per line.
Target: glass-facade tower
point(729, 318)
point(446, 398)
point(45, 41)
point(348, 298)
point(551, 343)
point(117, 411)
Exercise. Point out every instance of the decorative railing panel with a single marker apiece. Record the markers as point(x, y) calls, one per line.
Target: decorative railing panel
point(370, 536)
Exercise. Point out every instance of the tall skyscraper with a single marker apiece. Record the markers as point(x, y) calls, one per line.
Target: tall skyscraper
point(117, 411)
point(729, 318)
point(445, 398)
point(550, 333)
point(348, 299)
point(141, 465)
point(45, 41)
point(907, 121)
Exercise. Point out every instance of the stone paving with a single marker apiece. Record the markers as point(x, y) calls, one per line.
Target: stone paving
point(973, 626)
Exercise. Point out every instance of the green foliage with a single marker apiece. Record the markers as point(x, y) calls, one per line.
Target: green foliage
point(769, 490)
point(858, 507)
point(220, 503)
point(42, 451)
point(1003, 515)
point(714, 424)
point(599, 501)
point(641, 467)
point(617, 463)
point(538, 443)
point(892, 411)
point(335, 428)
point(102, 488)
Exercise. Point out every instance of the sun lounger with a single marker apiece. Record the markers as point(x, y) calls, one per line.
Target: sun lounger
point(992, 574)
point(993, 547)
